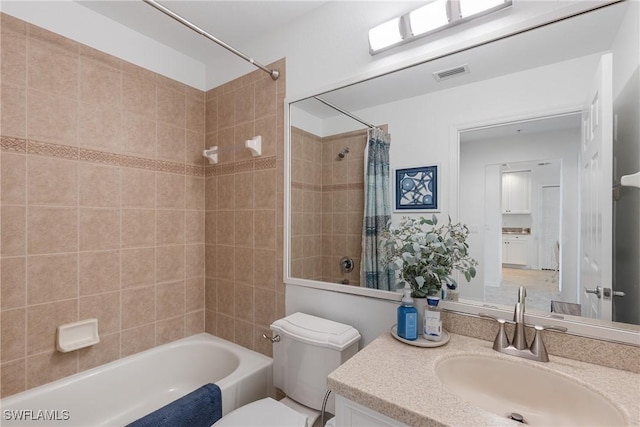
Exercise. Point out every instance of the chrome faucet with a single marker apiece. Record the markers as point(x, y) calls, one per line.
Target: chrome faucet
point(518, 345)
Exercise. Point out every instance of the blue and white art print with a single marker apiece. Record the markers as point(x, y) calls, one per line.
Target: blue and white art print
point(417, 189)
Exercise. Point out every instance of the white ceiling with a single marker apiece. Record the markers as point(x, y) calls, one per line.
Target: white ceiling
point(234, 22)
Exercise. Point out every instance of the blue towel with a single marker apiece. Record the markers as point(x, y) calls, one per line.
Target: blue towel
point(200, 408)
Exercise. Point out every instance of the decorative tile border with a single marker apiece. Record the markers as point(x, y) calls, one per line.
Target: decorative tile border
point(305, 186)
point(39, 148)
point(262, 163)
point(343, 187)
point(17, 145)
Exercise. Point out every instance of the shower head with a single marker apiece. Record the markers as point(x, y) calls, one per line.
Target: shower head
point(343, 153)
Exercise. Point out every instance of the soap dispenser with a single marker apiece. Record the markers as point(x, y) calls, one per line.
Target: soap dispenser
point(407, 318)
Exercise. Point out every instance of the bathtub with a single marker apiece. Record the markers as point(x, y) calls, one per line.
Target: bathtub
point(124, 390)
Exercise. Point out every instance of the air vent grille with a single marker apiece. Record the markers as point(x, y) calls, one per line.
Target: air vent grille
point(451, 72)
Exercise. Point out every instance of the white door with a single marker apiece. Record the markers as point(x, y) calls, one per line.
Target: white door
point(549, 228)
point(595, 195)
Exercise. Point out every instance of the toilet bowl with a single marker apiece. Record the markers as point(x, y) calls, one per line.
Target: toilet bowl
point(306, 349)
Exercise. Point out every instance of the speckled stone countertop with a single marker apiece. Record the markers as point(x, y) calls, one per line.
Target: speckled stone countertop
point(399, 381)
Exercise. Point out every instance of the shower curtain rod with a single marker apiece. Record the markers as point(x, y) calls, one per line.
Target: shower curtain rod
point(273, 73)
point(345, 112)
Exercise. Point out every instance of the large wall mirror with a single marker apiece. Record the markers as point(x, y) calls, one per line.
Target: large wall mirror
point(531, 136)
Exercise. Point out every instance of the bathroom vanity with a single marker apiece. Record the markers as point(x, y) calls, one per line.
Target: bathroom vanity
point(421, 386)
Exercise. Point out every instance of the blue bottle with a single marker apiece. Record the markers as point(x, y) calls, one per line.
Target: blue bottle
point(407, 318)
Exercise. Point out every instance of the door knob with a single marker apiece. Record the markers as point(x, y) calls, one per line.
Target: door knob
point(597, 291)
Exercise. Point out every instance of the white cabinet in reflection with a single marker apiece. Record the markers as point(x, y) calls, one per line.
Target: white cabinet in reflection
point(515, 250)
point(516, 192)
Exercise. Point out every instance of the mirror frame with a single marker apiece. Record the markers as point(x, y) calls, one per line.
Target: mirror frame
point(592, 328)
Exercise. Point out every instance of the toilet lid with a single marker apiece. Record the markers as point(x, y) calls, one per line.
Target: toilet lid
point(265, 412)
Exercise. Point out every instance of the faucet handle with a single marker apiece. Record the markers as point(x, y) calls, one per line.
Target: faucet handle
point(501, 341)
point(537, 345)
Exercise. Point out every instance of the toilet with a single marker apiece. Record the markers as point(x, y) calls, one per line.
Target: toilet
point(308, 350)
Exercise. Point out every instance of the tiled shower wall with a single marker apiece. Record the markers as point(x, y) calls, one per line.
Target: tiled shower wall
point(244, 209)
point(102, 208)
point(327, 201)
point(306, 205)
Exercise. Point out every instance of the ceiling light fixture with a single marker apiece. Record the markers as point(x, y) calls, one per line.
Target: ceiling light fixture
point(428, 18)
point(385, 35)
point(432, 17)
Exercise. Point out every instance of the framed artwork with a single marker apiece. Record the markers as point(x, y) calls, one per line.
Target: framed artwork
point(416, 189)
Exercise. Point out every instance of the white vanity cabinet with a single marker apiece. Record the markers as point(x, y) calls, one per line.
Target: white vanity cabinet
point(516, 192)
point(515, 249)
point(352, 414)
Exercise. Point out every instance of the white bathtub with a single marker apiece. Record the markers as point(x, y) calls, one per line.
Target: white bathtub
point(122, 391)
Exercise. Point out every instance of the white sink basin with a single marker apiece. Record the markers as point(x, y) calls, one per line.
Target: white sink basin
point(541, 396)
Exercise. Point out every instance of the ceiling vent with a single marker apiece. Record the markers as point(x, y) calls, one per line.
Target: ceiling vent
point(451, 72)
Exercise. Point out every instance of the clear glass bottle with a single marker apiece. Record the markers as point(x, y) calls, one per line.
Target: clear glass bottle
point(432, 329)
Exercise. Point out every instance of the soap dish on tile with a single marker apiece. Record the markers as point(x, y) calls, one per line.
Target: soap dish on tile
point(77, 335)
point(420, 341)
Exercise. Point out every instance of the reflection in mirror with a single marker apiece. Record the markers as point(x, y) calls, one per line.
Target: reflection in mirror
point(538, 202)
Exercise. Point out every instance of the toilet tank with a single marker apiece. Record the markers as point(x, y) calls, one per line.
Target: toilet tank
point(310, 348)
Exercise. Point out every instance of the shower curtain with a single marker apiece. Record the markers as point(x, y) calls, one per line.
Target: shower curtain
point(377, 211)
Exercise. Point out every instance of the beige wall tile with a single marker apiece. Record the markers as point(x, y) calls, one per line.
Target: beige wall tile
point(195, 226)
point(244, 302)
point(225, 297)
point(243, 190)
point(170, 263)
point(170, 191)
point(99, 272)
point(170, 227)
point(14, 110)
point(100, 127)
point(105, 308)
point(171, 143)
point(195, 114)
point(52, 230)
point(138, 227)
point(13, 328)
point(244, 105)
point(265, 97)
point(265, 229)
point(170, 330)
point(52, 181)
point(171, 106)
point(107, 350)
point(51, 69)
point(170, 299)
point(137, 339)
point(13, 377)
point(138, 307)
point(266, 127)
point(14, 287)
point(194, 294)
point(99, 186)
point(100, 84)
point(265, 189)
point(99, 229)
point(138, 188)
point(243, 334)
point(13, 230)
point(194, 192)
point(195, 143)
point(13, 57)
point(42, 321)
point(47, 367)
point(244, 265)
point(139, 95)
point(13, 170)
point(226, 192)
point(194, 263)
point(225, 228)
point(265, 307)
point(52, 278)
point(138, 267)
point(226, 111)
point(210, 261)
point(211, 115)
point(244, 231)
point(194, 323)
point(210, 294)
point(225, 327)
point(52, 118)
point(265, 268)
point(139, 135)
point(211, 194)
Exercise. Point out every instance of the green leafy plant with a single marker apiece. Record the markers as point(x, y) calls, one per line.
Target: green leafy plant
point(426, 253)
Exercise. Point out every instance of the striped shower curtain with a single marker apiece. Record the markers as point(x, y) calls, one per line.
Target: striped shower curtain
point(377, 211)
